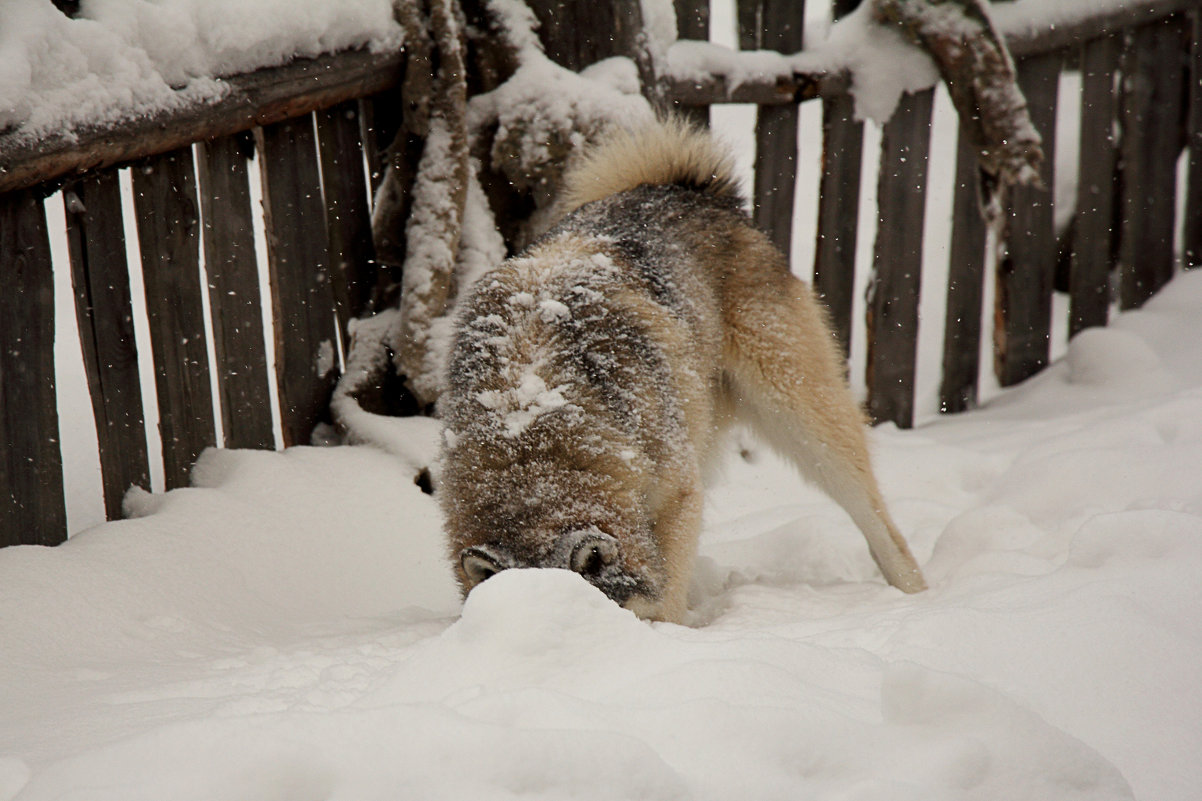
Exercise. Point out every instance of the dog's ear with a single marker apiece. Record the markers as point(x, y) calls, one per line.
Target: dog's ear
point(480, 563)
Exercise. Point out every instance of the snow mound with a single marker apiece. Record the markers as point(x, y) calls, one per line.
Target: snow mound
point(986, 745)
point(531, 610)
point(1113, 359)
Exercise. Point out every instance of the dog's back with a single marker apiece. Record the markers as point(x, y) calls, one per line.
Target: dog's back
point(590, 375)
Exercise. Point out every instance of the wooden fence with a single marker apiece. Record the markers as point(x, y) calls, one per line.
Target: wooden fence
point(314, 122)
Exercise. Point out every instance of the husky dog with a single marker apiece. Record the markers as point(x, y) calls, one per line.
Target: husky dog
point(592, 375)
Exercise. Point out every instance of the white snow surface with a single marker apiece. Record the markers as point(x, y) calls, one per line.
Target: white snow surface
point(124, 58)
point(288, 626)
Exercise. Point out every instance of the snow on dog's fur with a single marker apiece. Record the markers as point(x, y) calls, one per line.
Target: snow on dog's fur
point(592, 375)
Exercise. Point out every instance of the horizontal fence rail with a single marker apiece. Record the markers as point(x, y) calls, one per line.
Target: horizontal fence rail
point(311, 126)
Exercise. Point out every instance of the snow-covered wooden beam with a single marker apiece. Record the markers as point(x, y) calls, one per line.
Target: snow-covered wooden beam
point(701, 74)
point(257, 98)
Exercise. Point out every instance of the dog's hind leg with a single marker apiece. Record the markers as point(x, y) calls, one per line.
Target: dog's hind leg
point(787, 380)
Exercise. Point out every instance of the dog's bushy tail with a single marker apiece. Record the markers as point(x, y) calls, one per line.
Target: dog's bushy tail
point(668, 151)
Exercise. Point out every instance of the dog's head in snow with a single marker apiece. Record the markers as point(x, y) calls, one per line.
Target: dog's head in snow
point(545, 458)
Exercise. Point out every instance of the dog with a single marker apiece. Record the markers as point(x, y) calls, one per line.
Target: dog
point(591, 377)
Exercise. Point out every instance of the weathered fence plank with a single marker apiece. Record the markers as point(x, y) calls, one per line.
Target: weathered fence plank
point(234, 296)
point(104, 311)
point(1193, 198)
point(778, 27)
point(257, 98)
point(297, 252)
point(1023, 310)
point(1153, 69)
point(1094, 238)
point(965, 286)
point(379, 120)
point(838, 211)
point(32, 508)
point(693, 22)
point(169, 240)
point(892, 324)
point(348, 218)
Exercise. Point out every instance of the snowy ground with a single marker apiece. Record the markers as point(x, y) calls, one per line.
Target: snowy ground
point(287, 629)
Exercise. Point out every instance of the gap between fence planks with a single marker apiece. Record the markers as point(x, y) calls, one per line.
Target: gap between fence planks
point(104, 314)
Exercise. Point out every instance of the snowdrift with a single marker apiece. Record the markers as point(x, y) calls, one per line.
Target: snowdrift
point(288, 627)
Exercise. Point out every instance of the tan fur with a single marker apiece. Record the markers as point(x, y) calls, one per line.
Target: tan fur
point(670, 152)
point(593, 375)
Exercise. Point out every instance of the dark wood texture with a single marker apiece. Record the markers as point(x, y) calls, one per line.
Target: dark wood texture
point(1106, 19)
point(693, 22)
point(297, 249)
point(32, 509)
point(965, 287)
point(348, 218)
point(235, 304)
point(1154, 70)
point(379, 119)
point(839, 204)
point(892, 328)
point(1193, 197)
point(1023, 310)
point(257, 98)
point(778, 26)
point(577, 34)
point(104, 311)
point(1094, 238)
point(838, 213)
point(792, 88)
point(169, 239)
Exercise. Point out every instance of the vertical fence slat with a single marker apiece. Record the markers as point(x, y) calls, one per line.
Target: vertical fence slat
point(838, 213)
point(297, 257)
point(1023, 311)
point(1093, 241)
point(347, 214)
point(104, 311)
point(169, 240)
point(965, 287)
point(379, 120)
point(839, 205)
point(693, 22)
point(234, 296)
point(1151, 124)
point(892, 328)
point(32, 507)
point(778, 26)
point(1192, 233)
point(1193, 197)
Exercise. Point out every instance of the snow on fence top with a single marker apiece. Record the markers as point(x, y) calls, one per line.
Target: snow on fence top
point(118, 59)
point(123, 59)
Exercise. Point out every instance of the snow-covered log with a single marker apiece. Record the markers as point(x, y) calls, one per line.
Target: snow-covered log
point(979, 73)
